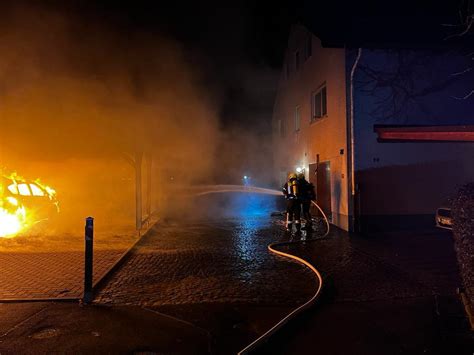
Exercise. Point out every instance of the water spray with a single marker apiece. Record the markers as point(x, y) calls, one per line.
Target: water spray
point(213, 189)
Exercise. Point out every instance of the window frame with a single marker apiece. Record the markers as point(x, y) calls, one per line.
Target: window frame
point(322, 111)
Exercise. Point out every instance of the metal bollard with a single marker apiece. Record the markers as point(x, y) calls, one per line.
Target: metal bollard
point(88, 259)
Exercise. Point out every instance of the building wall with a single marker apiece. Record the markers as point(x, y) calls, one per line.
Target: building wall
point(409, 179)
point(325, 138)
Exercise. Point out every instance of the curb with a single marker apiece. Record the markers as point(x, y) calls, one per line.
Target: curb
point(111, 270)
point(35, 300)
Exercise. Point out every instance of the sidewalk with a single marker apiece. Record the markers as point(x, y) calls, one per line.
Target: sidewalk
point(52, 266)
point(386, 293)
point(54, 274)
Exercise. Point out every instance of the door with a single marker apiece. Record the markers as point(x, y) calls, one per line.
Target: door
point(323, 187)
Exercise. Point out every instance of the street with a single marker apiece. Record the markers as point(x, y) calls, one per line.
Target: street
point(211, 286)
point(216, 274)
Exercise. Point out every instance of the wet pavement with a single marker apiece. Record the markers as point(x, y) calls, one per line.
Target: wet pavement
point(217, 275)
point(221, 261)
point(386, 293)
point(392, 293)
point(66, 328)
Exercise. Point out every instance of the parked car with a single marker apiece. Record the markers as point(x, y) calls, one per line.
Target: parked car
point(443, 218)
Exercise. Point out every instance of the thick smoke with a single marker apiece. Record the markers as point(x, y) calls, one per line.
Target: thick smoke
point(79, 101)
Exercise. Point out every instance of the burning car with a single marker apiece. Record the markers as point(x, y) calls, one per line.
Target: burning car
point(23, 204)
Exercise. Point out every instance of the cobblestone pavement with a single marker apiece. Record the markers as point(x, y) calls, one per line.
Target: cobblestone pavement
point(359, 275)
point(209, 262)
point(49, 274)
point(392, 291)
point(389, 265)
point(426, 255)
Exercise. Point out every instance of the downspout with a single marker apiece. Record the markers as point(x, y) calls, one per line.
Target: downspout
point(351, 135)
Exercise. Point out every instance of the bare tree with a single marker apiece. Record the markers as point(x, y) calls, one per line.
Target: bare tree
point(464, 27)
point(399, 85)
point(466, 20)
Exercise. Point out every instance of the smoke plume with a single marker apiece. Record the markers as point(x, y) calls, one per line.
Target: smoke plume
point(80, 100)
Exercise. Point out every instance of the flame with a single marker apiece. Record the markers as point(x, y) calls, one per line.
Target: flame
point(11, 223)
point(49, 190)
point(14, 217)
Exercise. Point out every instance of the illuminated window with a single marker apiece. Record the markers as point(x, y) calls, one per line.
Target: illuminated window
point(13, 189)
point(319, 104)
point(36, 190)
point(24, 190)
point(297, 119)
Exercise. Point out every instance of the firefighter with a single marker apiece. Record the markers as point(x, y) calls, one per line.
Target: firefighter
point(293, 203)
point(307, 195)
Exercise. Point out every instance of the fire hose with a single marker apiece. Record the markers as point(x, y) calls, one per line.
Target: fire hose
point(271, 247)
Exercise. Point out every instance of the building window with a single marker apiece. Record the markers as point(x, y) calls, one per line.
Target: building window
point(297, 60)
point(319, 104)
point(297, 119)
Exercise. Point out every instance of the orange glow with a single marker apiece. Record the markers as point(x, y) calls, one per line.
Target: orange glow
point(11, 223)
point(15, 216)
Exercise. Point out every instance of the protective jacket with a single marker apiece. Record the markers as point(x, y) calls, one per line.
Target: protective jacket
point(307, 190)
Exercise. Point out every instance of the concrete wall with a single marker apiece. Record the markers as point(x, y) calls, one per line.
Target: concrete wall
point(326, 137)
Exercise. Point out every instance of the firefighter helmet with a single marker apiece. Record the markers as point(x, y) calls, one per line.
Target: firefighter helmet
point(301, 176)
point(291, 176)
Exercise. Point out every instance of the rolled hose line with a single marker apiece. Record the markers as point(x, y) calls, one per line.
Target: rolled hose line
point(271, 247)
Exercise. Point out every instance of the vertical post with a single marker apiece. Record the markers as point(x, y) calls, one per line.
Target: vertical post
point(88, 259)
point(138, 190)
point(149, 166)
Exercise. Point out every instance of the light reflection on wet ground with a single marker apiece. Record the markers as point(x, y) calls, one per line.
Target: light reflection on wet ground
point(212, 260)
point(245, 235)
point(215, 273)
